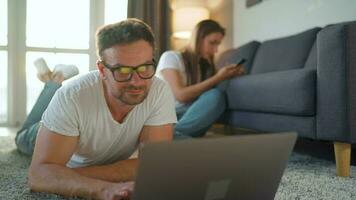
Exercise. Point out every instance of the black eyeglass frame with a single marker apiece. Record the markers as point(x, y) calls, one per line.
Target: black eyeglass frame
point(113, 68)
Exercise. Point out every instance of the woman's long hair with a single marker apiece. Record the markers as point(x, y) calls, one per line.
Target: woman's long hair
point(196, 67)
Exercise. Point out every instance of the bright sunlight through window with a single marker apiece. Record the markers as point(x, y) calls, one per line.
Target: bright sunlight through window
point(115, 10)
point(66, 24)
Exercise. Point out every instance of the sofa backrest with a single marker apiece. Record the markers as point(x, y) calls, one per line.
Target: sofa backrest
point(285, 53)
point(246, 51)
point(311, 62)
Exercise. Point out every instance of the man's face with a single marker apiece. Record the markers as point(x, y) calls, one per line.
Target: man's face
point(136, 89)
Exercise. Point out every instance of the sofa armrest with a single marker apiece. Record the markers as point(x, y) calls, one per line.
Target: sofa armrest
point(336, 83)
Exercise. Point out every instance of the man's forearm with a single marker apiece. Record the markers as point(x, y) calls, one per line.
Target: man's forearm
point(61, 180)
point(120, 171)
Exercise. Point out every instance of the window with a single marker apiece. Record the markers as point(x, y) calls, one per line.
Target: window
point(115, 10)
point(65, 32)
point(3, 61)
point(65, 26)
point(60, 31)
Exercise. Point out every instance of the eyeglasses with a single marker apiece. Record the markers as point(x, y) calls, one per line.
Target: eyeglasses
point(123, 73)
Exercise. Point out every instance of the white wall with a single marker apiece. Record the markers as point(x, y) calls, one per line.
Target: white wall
point(275, 18)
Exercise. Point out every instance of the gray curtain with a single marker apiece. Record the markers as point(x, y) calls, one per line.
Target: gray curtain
point(157, 14)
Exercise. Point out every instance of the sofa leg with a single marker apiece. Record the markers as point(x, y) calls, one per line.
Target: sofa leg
point(342, 158)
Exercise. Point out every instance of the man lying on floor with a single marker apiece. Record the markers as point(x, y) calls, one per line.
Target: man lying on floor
point(95, 122)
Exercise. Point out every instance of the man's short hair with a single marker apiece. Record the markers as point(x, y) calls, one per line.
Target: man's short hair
point(123, 32)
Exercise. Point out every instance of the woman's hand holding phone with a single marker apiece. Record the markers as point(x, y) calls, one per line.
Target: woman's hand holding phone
point(240, 62)
point(231, 70)
point(241, 69)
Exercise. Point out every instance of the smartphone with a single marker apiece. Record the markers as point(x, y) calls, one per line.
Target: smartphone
point(241, 61)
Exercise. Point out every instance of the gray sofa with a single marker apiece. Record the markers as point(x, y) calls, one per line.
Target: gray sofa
point(304, 83)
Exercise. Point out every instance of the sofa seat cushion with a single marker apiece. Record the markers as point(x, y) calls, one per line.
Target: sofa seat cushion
point(289, 92)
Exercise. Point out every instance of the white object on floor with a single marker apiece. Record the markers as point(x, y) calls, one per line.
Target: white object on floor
point(8, 131)
point(67, 71)
point(41, 65)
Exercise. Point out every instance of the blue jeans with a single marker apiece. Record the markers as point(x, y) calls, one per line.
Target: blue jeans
point(26, 136)
point(196, 118)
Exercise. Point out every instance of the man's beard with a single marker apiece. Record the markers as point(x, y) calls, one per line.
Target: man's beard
point(132, 99)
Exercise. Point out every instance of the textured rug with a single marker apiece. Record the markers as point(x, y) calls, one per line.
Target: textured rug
point(306, 177)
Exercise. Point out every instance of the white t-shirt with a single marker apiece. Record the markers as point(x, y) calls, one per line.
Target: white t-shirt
point(79, 109)
point(172, 60)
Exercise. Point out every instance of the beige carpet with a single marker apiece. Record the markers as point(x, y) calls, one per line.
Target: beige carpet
point(306, 177)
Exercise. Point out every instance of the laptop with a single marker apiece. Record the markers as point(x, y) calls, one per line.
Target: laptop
point(243, 167)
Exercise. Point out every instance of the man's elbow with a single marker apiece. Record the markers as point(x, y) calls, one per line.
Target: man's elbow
point(34, 178)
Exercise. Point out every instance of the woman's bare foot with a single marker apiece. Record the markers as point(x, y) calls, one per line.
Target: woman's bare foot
point(67, 71)
point(43, 71)
point(45, 77)
point(58, 77)
point(60, 72)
